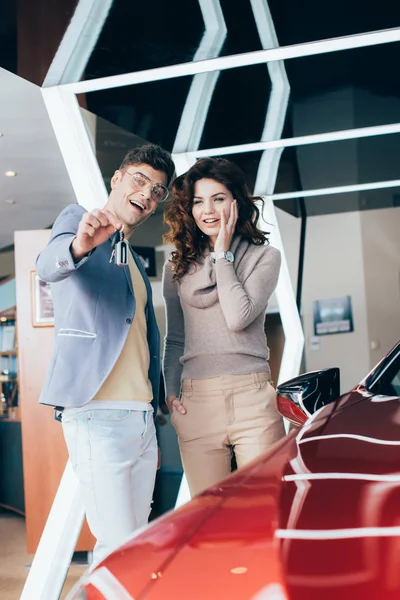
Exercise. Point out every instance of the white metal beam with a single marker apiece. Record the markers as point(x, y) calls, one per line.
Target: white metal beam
point(303, 140)
point(341, 189)
point(349, 42)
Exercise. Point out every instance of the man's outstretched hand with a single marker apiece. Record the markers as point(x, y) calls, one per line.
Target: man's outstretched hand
point(94, 229)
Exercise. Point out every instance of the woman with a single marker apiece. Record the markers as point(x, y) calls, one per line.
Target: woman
point(216, 288)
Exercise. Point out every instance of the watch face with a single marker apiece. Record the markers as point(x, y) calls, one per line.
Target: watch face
point(229, 256)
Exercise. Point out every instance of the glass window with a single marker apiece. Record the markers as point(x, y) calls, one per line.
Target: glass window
point(345, 89)
point(238, 107)
point(8, 36)
point(151, 111)
point(386, 381)
point(310, 20)
point(249, 163)
point(347, 162)
point(146, 35)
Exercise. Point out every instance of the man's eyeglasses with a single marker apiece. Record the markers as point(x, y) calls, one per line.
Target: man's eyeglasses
point(158, 191)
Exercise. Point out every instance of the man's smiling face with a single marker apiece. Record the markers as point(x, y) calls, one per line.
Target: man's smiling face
point(131, 198)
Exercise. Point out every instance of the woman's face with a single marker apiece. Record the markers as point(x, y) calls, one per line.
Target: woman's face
point(210, 200)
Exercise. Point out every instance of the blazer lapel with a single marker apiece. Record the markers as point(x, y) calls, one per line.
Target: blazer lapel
point(145, 278)
point(129, 279)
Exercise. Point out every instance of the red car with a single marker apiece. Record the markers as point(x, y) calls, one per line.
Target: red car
point(317, 517)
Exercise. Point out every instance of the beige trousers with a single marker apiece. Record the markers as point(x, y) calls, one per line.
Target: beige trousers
point(231, 412)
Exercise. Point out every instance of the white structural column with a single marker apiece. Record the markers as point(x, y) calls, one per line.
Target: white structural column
point(76, 148)
point(79, 40)
point(280, 88)
point(53, 556)
point(198, 101)
point(294, 336)
point(265, 183)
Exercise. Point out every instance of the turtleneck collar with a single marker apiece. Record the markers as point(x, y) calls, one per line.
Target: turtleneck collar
point(199, 286)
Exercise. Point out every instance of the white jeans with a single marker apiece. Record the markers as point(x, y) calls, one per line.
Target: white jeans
point(114, 455)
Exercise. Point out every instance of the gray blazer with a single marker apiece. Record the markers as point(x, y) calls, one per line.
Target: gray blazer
point(94, 305)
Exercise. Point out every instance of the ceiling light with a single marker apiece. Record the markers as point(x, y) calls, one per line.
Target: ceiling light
point(1, 134)
point(10, 174)
point(9, 201)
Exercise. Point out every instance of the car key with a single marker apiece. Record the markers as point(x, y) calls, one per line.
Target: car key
point(121, 251)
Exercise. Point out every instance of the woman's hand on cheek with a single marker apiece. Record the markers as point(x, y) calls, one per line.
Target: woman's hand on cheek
point(227, 229)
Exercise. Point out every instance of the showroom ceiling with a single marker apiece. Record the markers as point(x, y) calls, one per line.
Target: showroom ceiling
point(145, 35)
point(41, 187)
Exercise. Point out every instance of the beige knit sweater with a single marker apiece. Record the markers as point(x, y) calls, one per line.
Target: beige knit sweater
point(215, 315)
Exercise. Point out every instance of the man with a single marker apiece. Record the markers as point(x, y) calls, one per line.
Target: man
point(105, 372)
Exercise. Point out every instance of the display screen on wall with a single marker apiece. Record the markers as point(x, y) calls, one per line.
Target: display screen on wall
point(333, 315)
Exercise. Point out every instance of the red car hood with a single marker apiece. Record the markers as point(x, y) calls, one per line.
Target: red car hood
point(208, 545)
point(316, 517)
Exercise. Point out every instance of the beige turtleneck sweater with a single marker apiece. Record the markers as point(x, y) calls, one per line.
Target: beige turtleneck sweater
point(215, 315)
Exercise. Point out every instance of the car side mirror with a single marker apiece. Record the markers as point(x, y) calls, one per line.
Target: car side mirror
point(299, 398)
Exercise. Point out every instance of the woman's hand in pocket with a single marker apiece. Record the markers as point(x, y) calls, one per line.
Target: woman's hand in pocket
point(174, 403)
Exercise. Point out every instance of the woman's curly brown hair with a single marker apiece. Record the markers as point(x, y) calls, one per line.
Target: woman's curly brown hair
point(184, 234)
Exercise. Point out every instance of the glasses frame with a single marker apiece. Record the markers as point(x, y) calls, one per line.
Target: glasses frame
point(149, 184)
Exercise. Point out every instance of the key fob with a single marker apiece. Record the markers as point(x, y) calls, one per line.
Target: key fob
point(121, 253)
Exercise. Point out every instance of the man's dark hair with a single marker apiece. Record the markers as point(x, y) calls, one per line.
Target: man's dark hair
point(153, 155)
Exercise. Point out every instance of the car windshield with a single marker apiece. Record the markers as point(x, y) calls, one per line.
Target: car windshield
point(386, 380)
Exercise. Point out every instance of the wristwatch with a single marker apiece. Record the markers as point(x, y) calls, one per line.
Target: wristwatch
point(226, 255)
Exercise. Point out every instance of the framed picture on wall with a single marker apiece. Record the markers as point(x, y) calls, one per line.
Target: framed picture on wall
point(42, 302)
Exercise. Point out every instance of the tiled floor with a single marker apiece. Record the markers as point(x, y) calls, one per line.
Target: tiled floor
point(15, 562)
